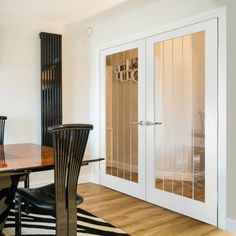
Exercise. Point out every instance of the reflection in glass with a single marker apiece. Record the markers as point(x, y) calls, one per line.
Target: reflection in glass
point(180, 106)
point(2, 157)
point(121, 115)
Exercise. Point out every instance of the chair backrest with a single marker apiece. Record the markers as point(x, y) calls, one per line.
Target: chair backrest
point(2, 128)
point(69, 143)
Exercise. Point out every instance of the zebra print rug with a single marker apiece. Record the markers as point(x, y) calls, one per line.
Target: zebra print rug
point(39, 224)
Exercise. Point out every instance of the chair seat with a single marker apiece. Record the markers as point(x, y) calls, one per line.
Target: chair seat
point(43, 197)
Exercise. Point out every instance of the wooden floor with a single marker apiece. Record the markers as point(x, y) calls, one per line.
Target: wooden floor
point(139, 218)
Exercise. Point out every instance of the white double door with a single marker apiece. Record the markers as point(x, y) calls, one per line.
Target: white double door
point(158, 120)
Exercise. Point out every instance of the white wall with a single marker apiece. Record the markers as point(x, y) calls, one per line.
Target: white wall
point(20, 78)
point(20, 82)
point(76, 74)
point(76, 84)
point(80, 93)
point(231, 110)
point(149, 17)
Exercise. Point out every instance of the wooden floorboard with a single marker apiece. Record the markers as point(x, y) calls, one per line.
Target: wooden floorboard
point(140, 218)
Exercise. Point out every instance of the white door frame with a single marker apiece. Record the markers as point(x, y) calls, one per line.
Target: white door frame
point(205, 211)
point(220, 14)
point(120, 184)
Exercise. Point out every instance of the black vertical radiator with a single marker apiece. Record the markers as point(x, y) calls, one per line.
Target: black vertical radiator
point(51, 83)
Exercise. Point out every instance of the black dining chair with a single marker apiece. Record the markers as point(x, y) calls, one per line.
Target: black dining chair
point(2, 128)
point(10, 182)
point(60, 199)
point(3, 119)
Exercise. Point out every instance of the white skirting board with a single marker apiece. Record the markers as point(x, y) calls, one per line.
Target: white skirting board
point(231, 225)
point(38, 179)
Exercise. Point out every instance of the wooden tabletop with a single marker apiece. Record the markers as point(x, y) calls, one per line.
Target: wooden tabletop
point(19, 158)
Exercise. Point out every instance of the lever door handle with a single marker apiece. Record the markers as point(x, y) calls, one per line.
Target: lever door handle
point(152, 123)
point(142, 123)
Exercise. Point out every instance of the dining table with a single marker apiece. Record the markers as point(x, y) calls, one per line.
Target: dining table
point(16, 160)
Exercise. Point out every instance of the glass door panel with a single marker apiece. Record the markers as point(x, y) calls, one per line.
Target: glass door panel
point(182, 116)
point(122, 120)
point(180, 105)
point(122, 114)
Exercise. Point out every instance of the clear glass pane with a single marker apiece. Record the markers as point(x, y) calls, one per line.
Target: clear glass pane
point(121, 115)
point(180, 106)
point(159, 151)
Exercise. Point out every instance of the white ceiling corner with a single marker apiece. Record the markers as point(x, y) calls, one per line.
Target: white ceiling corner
point(55, 11)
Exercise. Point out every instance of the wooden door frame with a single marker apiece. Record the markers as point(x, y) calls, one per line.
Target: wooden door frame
point(220, 14)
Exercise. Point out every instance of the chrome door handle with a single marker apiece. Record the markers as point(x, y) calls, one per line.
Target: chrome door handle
point(152, 123)
point(142, 123)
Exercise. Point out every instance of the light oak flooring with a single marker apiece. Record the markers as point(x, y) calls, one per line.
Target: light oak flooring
point(139, 218)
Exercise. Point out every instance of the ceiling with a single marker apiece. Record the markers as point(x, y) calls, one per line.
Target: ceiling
point(56, 11)
point(68, 11)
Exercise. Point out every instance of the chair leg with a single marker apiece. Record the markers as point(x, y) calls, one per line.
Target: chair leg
point(18, 214)
point(26, 185)
point(26, 182)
